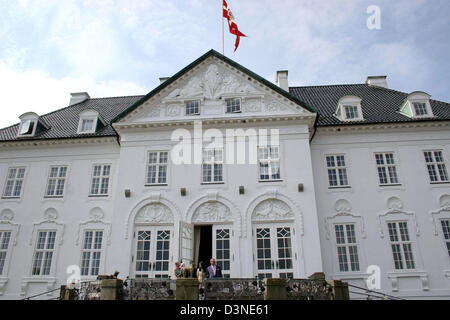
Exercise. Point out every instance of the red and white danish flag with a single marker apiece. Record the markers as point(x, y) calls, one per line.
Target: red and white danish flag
point(232, 24)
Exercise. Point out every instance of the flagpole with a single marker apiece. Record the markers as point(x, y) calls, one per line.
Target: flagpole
point(223, 27)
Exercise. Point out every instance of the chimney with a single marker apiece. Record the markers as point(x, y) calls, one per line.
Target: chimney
point(377, 81)
point(164, 79)
point(78, 97)
point(282, 80)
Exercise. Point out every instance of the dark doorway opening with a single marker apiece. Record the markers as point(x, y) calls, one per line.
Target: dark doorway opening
point(205, 249)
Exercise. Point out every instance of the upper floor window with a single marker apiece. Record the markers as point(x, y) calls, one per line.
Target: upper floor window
point(347, 247)
point(446, 231)
point(401, 245)
point(193, 108)
point(337, 171)
point(91, 253)
point(349, 109)
point(269, 163)
point(212, 166)
point(14, 183)
point(43, 253)
point(5, 237)
point(90, 121)
point(436, 166)
point(157, 167)
point(100, 180)
point(233, 105)
point(387, 170)
point(420, 109)
point(56, 181)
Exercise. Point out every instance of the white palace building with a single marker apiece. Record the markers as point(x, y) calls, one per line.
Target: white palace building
point(359, 178)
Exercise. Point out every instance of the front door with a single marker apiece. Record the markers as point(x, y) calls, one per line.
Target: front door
point(274, 251)
point(152, 252)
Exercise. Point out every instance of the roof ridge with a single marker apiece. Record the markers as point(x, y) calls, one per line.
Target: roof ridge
point(329, 85)
point(115, 97)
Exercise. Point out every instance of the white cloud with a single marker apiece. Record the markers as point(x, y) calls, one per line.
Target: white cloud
point(36, 91)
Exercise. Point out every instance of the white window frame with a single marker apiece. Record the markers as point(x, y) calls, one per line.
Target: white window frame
point(44, 251)
point(397, 239)
point(57, 179)
point(352, 266)
point(91, 251)
point(445, 225)
point(14, 180)
point(435, 165)
point(269, 162)
point(233, 105)
point(349, 102)
point(101, 178)
point(221, 258)
point(158, 164)
point(187, 107)
point(5, 248)
point(212, 161)
point(337, 168)
point(88, 115)
point(28, 122)
point(387, 167)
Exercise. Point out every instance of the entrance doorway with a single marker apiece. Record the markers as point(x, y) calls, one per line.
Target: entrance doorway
point(204, 244)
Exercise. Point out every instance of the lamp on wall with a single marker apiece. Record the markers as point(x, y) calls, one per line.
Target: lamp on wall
point(301, 188)
point(241, 190)
point(183, 192)
point(127, 193)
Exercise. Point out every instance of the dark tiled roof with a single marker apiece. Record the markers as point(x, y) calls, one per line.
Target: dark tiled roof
point(379, 105)
point(64, 123)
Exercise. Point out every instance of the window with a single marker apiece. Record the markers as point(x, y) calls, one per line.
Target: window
point(14, 183)
point(446, 231)
point(212, 167)
point(56, 181)
point(157, 167)
point(347, 247)
point(420, 109)
point(27, 128)
point(91, 253)
point(193, 108)
point(233, 105)
point(337, 171)
point(269, 163)
point(5, 237)
point(100, 180)
point(222, 250)
point(351, 112)
point(43, 254)
point(401, 245)
point(387, 170)
point(87, 125)
point(436, 166)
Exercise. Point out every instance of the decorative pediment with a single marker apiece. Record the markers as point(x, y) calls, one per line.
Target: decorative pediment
point(272, 210)
point(95, 221)
point(343, 209)
point(154, 213)
point(211, 83)
point(212, 212)
point(442, 213)
point(395, 207)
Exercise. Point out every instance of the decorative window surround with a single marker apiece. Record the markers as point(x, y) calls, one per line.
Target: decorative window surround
point(90, 121)
point(439, 216)
point(417, 106)
point(49, 223)
point(95, 221)
point(395, 276)
point(343, 214)
point(349, 109)
point(6, 224)
point(395, 207)
point(30, 125)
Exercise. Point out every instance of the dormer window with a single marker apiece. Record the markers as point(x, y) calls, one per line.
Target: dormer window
point(349, 109)
point(90, 121)
point(30, 125)
point(417, 105)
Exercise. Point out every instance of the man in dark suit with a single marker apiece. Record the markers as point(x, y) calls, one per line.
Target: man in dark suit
point(214, 271)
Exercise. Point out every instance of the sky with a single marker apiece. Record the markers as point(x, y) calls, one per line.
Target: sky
point(50, 48)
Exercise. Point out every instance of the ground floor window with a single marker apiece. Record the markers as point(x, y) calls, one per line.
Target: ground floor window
point(152, 252)
point(91, 253)
point(274, 251)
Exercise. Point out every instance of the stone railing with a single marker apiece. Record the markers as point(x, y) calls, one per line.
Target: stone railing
point(232, 289)
point(150, 289)
point(306, 289)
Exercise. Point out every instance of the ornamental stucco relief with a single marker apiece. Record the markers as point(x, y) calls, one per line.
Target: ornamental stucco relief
point(272, 210)
point(212, 212)
point(154, 213)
